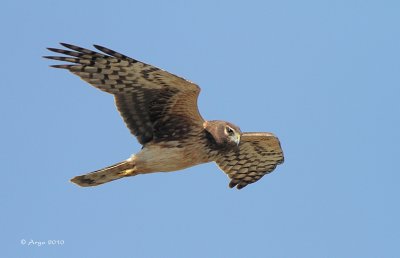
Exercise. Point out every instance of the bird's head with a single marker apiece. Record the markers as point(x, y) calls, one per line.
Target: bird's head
point(224, 133)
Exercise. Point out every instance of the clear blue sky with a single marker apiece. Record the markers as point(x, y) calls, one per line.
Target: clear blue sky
point(322, 75)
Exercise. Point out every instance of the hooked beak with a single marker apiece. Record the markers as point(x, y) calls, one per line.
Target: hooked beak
point(237, 139)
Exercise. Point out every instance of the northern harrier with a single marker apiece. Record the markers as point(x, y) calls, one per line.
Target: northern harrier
point(160, 109)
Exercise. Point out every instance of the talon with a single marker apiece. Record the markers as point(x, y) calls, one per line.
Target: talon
point(129, 172)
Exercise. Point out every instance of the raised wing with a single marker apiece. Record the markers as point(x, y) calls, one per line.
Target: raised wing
point(155, 104)
point(257, 154)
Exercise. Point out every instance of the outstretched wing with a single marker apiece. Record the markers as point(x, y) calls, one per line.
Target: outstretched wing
point(257, 154)
point(155, 104)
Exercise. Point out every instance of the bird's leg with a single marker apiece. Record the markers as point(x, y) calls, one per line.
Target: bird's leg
point(130, 172)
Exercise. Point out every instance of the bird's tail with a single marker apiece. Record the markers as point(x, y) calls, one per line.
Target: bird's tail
point(107, 174)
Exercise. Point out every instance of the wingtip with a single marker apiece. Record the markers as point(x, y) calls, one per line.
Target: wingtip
point(52, 49)
point(52, 57)
point(232, 184)
point(61, 66)
point(66, 45)
point(239, 187)
point(99, 47)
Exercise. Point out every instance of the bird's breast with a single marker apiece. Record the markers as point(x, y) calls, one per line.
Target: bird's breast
point(171, 156)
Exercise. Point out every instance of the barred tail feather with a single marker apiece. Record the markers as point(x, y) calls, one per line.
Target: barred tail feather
point(107, 174)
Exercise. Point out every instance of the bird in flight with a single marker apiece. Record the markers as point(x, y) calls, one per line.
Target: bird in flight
point(160, 109)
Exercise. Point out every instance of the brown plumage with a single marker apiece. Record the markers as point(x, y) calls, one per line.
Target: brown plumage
point(160, 109)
